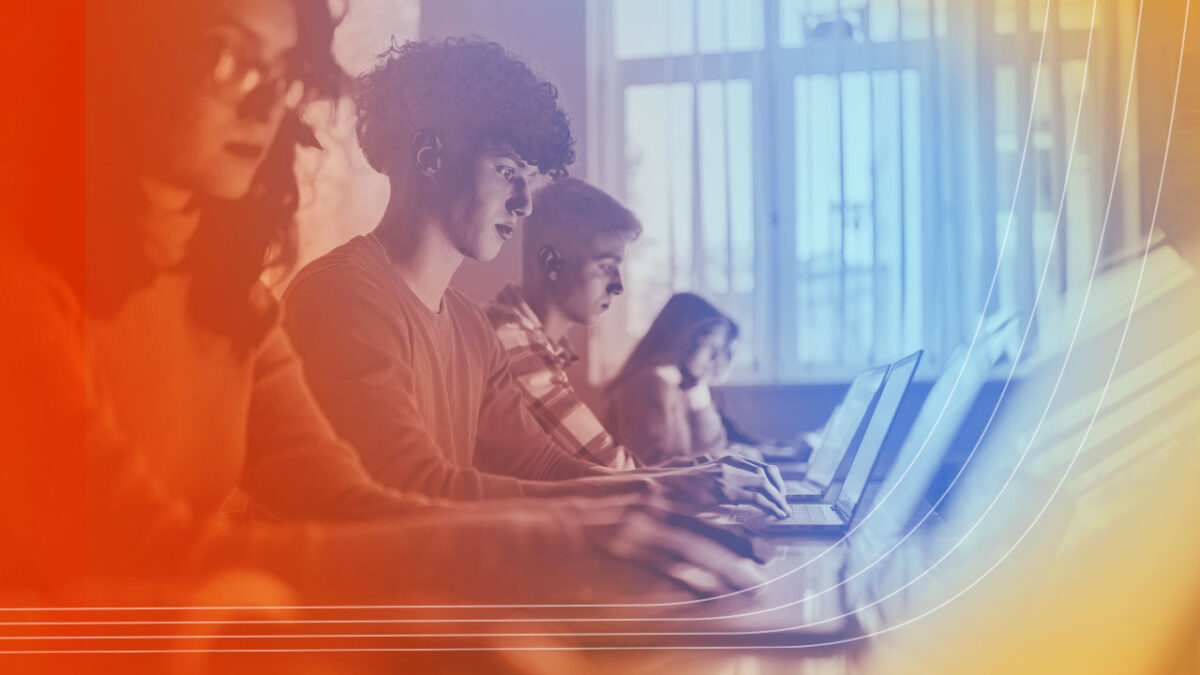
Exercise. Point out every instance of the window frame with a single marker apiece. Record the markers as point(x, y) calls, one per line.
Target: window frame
point(771, 72)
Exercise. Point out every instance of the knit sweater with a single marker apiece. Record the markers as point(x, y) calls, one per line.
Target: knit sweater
point(426, 397)
point(128, 432)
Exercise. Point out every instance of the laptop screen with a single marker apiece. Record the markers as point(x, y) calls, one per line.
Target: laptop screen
point(844, 425)
point(937, 424)
point(876, 433)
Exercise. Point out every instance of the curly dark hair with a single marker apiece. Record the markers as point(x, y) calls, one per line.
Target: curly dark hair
point(467, 91)
point(135, 60)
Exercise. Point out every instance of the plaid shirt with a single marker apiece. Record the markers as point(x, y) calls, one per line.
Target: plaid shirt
point(539, 366)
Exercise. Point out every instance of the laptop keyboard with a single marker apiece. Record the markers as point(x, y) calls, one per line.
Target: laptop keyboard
point(800, 487)
point(802, 514)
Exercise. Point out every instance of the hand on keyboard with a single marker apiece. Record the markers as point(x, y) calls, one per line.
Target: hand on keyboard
point(706, 558)
point(729, 480)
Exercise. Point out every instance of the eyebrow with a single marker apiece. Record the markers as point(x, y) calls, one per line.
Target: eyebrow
point(226, 21)
point(609, 256)
point(512, 157)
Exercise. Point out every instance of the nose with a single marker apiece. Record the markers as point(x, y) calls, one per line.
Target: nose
point(616, 287)
point(259, 105)
point(521, 203)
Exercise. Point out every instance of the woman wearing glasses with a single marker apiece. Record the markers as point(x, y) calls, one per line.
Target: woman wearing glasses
point(184, 385)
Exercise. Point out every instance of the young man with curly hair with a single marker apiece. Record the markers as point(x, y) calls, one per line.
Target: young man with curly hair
point(408, 369)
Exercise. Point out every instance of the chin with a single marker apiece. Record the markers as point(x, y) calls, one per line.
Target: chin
point(229, 187)
point(487, 254)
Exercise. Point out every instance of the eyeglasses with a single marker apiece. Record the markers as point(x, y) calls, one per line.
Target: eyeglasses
point(234, 72)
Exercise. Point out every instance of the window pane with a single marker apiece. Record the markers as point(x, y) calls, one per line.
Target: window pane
point(675, 27)
point(714, 202)
point(885, 21)
point(812, 21)
point(660, 28)
point(941, 18)
point(1008, 148)
point(858, 228)
point(819, 231)
point(741, 183)
point(1038, 17)
point(726, 186)
point(729, 25)
point(818, 167)
point(914, 19)
point(858, 158)
point(910, 93)
point(658, 159)
point(1006, 16)
point(1075, 14)
point(888, 213)
point(1046, 178)
point(1082, 219)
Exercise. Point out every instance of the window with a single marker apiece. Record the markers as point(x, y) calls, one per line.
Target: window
point(838, 175)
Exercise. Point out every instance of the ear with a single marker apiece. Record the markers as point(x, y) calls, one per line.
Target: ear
point(427, 152)
point(549, 262)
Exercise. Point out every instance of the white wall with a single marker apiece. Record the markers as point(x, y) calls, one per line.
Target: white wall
point(341, 196)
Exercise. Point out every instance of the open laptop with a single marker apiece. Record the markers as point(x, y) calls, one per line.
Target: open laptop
point(833, 518)
point(839, 434)
point(933, 431)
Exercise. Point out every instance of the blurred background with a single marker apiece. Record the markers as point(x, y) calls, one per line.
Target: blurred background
point(850, 179)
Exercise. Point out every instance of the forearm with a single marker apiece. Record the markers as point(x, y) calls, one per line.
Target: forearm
point(608, 484)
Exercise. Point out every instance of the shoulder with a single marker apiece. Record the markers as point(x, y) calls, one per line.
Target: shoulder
point(346, 275)
point(466, 312)
point(501, 315)
point(647, 383)
point(511, 335)
point(352, 263)
point(32, 292)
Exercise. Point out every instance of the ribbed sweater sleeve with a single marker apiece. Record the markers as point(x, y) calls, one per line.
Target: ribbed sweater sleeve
point(81, 506)
point(296, 466)
point(358, 362)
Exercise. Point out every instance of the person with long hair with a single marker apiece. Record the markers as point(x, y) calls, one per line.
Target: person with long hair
point(141, 396)
point(660, 405)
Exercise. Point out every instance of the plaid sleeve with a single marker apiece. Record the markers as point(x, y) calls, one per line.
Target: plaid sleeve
point(553, 401)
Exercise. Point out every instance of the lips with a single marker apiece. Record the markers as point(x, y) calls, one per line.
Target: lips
point(244, 150)
point(506, 231)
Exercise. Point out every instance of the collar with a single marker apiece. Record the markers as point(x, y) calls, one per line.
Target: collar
point(518, 311)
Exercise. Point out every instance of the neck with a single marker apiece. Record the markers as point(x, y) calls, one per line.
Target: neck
point(165, 200)
point(417, 246)
point(168, 222)
point(554, 322)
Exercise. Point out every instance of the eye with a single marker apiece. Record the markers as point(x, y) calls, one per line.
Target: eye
point(507, 171)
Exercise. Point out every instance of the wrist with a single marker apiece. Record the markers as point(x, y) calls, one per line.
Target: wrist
point(699, 396)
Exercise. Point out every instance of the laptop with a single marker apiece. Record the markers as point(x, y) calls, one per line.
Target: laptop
point(839, 435)
point(933, 431)
point(834, 517)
